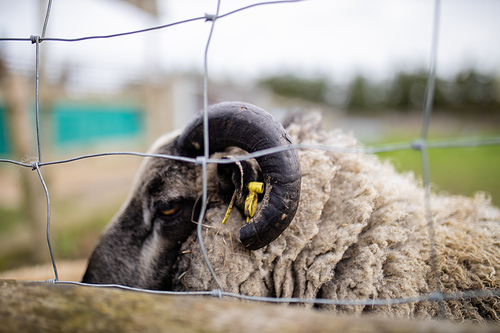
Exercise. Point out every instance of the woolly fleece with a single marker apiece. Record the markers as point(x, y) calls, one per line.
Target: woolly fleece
point(360, 232)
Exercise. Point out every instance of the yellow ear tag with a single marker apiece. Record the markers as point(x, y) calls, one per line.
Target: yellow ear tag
point(251, 199)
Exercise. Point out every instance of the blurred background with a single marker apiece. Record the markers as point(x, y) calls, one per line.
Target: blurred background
point(362, 63)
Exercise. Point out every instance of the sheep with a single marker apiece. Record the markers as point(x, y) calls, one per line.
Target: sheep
point(142, 242)
point(359, 231)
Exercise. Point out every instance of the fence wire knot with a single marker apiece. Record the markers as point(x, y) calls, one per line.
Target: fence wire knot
point(210, 17)
point(201, 160)
point(35, 39)
point(35, 165)
point(418, 144)
point(435, 296)
point(216, 293)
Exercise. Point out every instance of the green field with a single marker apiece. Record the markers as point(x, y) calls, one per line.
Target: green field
point(456, 170)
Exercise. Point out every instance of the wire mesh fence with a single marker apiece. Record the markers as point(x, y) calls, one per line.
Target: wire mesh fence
point(422, 144)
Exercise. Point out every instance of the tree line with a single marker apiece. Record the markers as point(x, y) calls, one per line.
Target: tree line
point(468, 90)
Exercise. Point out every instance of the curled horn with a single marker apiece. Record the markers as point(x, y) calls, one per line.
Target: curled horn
point(252, 129)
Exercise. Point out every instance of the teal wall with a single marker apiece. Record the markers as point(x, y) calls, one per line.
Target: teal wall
point(85, 124)
point(4, 132)
point(77, 124)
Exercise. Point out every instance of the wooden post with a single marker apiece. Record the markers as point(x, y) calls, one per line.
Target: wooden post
point(22, 136)
point(47, 307)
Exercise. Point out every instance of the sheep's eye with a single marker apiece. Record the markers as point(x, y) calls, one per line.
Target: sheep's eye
point(170, 209)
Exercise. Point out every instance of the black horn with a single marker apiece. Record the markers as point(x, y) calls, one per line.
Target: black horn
point(253, 129)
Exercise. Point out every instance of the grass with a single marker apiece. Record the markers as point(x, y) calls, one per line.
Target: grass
point(73, 239)
point(9, 219)
point(77, 239)
point(456, 170)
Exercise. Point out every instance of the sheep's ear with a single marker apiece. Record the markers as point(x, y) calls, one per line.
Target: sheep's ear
point(233, 179)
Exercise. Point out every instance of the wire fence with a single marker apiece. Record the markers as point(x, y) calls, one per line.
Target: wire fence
point(422, 144)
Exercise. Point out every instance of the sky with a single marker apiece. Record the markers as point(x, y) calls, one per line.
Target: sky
point(330, 38)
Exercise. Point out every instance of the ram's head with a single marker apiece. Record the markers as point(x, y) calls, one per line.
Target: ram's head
point(141, 244)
